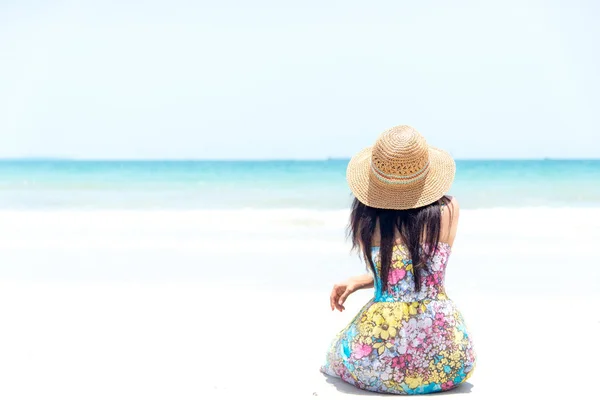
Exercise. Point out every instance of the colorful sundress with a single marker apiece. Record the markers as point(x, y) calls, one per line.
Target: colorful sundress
point(403, 341)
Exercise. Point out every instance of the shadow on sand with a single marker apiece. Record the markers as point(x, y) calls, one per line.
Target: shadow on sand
point(344, 387)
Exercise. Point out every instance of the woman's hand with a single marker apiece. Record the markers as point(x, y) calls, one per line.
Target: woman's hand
point(341, 291)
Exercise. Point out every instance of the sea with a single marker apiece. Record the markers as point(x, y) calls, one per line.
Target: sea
point(318, 185)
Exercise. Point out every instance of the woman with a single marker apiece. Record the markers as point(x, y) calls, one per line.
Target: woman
point(410, 338)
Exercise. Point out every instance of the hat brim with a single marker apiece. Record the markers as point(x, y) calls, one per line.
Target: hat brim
point(371, 191)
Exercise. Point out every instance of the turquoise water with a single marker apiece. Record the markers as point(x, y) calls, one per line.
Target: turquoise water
point(275, 184)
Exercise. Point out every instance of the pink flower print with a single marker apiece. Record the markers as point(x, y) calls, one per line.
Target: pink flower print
point(417, 331)
point(405, 359)
point(398, 375)
point(361, 350)
point(396, 275)
point(447, 385)
point(434, 279)
point(402, 361)
point(440, 319)
point(437, 341)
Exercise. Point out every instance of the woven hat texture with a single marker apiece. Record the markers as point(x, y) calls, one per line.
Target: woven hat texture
point(400, 171)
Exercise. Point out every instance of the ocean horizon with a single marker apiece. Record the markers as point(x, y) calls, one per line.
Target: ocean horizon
point(59, 183)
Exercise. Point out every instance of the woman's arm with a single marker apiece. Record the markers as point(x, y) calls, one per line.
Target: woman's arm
point(341, 291)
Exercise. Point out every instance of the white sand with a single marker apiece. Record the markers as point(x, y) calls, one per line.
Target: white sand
point(185, 305)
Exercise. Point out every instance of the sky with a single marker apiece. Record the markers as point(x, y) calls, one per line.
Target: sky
point(298, 79)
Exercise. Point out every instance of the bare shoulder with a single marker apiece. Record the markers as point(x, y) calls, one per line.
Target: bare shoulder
point(450, 214)
point(453, 206)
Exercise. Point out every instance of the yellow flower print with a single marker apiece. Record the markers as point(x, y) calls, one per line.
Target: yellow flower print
point(365, 340)
point(412, 308)
point(440, 365)
point(413, 382)
point(365, 328)
point(395, 386)
point(397, 311)
point(443, 376)
point(437, 376)
point(416, 307)
point(400, 312)
point(458, 336)
point(385, 326)
point(388, 312)
point(373, 311)
point(434, 375)
point(365, 317)
point(381, 346)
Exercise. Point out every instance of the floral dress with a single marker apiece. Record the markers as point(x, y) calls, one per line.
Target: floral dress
point(403, 341)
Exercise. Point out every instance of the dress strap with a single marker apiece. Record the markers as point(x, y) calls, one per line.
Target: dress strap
point(443, 204)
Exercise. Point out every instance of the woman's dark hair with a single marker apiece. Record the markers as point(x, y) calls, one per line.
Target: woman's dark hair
point(416, 226)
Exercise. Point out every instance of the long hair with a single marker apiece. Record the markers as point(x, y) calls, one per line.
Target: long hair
point(419, 230)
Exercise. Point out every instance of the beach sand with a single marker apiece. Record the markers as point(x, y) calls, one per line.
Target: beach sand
point(234, 304)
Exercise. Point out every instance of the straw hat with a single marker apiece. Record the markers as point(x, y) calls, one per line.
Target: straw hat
point(400, 171)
